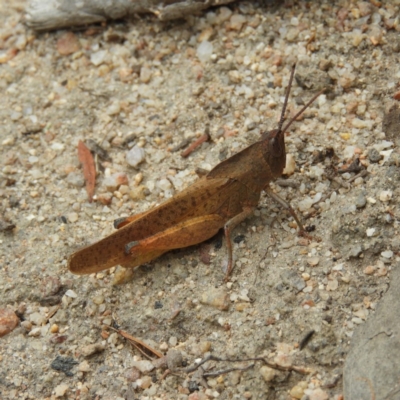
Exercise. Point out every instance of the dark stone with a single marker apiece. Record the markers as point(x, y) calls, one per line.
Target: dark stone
point(158, 305)
point(64, 364)
point(374, 156)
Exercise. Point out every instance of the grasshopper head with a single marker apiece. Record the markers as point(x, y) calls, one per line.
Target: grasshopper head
point(274, 151)
point(273, 142)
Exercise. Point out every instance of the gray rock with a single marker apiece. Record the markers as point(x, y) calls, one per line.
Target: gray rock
point(292, 279)
point(174, 359)
point(374, 156)
point(143, 366)
point(76, 179)
point(372, 366)
point(355, 251)
point(361, 201)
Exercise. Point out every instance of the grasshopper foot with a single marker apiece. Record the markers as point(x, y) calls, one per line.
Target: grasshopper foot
point(118, 222)
point(229, 269)
point(129, 246)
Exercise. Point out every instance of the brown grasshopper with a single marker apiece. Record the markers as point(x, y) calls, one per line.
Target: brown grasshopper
point(222, 198)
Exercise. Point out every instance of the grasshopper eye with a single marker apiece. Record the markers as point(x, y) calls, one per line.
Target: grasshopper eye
point(275, 147)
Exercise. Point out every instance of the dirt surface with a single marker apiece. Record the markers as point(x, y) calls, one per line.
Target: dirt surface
point(141, 85)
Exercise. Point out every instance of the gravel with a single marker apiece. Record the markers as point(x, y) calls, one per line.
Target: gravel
point(163, 84)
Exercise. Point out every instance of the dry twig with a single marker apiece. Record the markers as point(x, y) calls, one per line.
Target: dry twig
point(139, 344)
point(300, 370)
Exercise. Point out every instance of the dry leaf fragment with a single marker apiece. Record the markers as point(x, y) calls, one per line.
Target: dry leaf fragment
point(89, 170)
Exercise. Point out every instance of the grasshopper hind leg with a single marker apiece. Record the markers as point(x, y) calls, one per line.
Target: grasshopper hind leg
point(183, 234)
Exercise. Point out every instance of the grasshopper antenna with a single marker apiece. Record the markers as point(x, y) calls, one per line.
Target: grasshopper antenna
point(281, 121)
point(301, 111)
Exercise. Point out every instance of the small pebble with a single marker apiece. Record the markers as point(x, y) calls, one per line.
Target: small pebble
point(15, 116)
point(292, 34)
point(72, 217)
point(369, 270)
point(234, 76)
point(355, 250)
point(387, 254)
point(35, 332)
point(217, 298)
point(361, 201)
point(98, 299)
point(76, 179)
point(71, 293)
point(313, 261)
point(381, 270)
point(37, 318)
point(206, 34)
point(298, 391)
point(135, 156)
point(332, 285)
point(224, 14)
point(84, 366)
point(371, 232)
point(316, 394)
point(114, 108)
point(54, 328)
point(68, 43)
point(132, 374)
point(197, 396)
point(98, 57)
point(374, 156)
point(241, 306)
point(164, 184)
point(145, 382)
point(145, 74)
point(105, 198)
point(290, 166)
point(236, 22)
point(385, 195)
point(305, 204)
point(8, 321)
point(114, 181)
point(143, 366)
point(204, 51)
point(174, 359)
point(349, 151)
point(163, 346)
point(173, 341)
point(138, 178)
point(60, 390)
point(305, 276)
point(243, 295)
point(268, 373)
point(138, 193)
point(27, 325)
point(91, 349)
point(33, 159)
point(204, 346)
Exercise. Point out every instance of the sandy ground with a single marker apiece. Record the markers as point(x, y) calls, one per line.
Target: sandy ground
point(146, 85)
